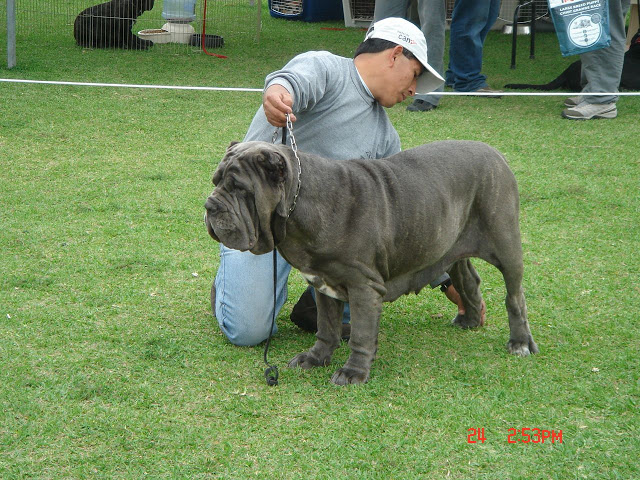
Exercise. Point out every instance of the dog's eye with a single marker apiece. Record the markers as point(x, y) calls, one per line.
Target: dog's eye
point(236, 186)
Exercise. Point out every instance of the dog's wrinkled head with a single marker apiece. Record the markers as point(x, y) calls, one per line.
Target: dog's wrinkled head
point(247, 209)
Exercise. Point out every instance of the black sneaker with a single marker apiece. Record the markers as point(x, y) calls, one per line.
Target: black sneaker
point(305, 315)
point(421, 106)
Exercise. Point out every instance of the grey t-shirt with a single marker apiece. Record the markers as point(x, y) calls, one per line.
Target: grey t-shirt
point(336, 116)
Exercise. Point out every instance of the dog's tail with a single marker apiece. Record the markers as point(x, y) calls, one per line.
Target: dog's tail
point(569, 78)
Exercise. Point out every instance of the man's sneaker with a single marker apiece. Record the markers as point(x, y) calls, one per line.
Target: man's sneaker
point(588, 111)
point(421, 106)
point(305, 315)
point(573, 101)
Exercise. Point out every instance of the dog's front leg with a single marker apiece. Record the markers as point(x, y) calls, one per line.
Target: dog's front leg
point(330, 313)
point(366, 307)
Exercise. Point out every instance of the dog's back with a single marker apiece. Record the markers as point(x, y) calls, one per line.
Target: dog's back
point(449, 168)
point(438, 192)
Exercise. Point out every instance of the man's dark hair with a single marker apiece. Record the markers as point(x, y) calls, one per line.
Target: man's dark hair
point(376, 45)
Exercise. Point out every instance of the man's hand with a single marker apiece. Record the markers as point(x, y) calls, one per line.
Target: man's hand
point(277, 102)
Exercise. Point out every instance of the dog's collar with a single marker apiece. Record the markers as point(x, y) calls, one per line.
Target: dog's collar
point(295, 197)
point(294, 147)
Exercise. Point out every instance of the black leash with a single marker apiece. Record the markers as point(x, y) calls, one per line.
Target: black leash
point(271, 373)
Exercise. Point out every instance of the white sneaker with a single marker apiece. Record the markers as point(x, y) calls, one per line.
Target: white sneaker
point(588, 111)
point(573, 101)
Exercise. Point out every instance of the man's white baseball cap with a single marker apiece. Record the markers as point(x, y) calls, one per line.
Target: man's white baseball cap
point(404, 33)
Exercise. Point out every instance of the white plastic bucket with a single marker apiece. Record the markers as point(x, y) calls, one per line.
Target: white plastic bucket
point(179, 10)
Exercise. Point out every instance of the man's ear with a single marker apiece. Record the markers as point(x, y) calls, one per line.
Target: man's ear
point(395, 53)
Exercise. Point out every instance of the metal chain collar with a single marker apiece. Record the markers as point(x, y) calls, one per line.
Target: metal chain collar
point(294, 147)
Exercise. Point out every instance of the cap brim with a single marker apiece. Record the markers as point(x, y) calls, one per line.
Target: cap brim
point(429, 80)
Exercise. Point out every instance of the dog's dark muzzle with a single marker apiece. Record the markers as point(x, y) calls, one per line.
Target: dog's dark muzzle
point(225, 226)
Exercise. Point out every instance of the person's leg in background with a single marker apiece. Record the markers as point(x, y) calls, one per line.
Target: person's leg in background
point(470, 24)
point(391, 8)
point(433, 17)
point(601, 71)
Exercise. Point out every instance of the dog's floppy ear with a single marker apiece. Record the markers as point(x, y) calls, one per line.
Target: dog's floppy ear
point(276, 171)
point(274, 165)
point(217, 175)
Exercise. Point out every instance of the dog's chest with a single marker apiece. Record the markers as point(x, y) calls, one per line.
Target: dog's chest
point(319, 284)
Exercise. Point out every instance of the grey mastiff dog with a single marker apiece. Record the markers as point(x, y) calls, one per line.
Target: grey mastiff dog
point(369, 231)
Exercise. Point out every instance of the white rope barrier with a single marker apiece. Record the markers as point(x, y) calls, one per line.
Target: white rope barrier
point(128, 85)
point(241, 89)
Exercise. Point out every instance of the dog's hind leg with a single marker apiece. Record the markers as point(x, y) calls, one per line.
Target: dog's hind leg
point(507, 257)
point(466, 281)
point(327, 337)
point(520, 339)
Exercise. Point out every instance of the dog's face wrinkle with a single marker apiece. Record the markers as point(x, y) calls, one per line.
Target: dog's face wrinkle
point(235, 218)
point(234, 183)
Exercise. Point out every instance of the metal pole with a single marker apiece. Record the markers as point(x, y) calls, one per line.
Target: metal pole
point(259, 20)
point(532, 49)
point(11, 33)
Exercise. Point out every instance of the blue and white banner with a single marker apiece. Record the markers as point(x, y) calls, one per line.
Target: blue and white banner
point(581, 25)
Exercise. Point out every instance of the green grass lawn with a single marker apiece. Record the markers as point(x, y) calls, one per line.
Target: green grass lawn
point(113, 367)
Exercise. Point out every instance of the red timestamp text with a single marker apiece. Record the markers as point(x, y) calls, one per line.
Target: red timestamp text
point(533, 435)
point(518, 435)
point(476, 435)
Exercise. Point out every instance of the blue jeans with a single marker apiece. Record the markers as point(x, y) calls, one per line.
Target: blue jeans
point(244, 295)
point(470, 24)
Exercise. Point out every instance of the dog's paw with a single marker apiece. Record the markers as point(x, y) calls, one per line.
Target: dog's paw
point(522, 349)
point(307, 361)
point(349, 376)
point(464, 322)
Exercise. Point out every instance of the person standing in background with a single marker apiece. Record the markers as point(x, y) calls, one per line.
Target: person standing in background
point(601, 71)
point(470, 24)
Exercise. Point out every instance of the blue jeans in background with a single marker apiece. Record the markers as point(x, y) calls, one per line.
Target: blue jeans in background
point(470, 24)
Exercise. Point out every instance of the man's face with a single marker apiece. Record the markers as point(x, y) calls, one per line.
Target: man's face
point(401, 81)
